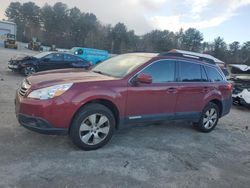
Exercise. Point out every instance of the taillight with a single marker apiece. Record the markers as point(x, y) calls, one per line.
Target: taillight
point(229, 87)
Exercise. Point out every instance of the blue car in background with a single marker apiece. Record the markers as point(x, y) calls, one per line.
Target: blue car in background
point(93, 55)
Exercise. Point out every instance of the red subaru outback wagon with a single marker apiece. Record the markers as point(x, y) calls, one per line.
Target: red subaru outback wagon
point(129, 88)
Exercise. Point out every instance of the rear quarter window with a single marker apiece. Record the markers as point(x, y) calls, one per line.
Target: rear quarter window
point(213, 74)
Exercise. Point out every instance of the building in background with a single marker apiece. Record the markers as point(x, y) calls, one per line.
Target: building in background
point(5, 28)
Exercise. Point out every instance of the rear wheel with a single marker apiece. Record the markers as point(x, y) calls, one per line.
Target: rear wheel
point(209, 118)
point(29, 70)
point(92, 127)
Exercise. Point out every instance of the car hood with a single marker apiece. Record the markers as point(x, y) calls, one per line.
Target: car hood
point(20, 59)
point(50, 78)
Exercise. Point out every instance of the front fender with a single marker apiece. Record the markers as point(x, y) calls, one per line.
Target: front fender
point(26, 64)
point(100, 93)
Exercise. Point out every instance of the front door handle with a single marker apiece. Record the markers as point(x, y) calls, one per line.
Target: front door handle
point(172, 90)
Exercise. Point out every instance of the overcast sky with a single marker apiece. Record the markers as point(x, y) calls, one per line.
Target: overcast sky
point(226, 18)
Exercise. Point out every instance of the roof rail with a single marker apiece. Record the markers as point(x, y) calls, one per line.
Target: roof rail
point(189, 56)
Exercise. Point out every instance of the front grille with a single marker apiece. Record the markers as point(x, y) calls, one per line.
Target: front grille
point(13, 62)
point(24, 88)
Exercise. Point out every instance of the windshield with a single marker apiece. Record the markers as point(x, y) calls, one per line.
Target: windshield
point(41, 55)
point(122, 65)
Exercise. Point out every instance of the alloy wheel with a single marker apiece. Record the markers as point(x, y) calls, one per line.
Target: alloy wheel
point(29, 71)
point(94, 129)
point(210, 118)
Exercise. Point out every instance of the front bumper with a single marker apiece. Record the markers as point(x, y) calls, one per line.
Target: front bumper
point(44, 116)
point(11, 45)
point(13, 67)
point(39, 125)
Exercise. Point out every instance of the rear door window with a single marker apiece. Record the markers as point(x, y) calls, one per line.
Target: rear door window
point(190, 72)
point(70, 58)
point(55, 57)
point(161, 71)
point(203, 74)
point(213, 74)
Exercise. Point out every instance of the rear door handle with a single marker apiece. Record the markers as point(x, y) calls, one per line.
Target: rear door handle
point(172, 90)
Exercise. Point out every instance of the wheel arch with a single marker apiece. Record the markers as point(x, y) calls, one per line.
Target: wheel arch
point(219, 104)
point(105, 102)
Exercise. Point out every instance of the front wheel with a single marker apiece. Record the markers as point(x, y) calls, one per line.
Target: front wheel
point(29, 70)
point(209, 118)
point(92, 127)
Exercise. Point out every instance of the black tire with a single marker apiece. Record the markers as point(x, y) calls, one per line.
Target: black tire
point(29, 70)
point(203, 127)
point(79, 119)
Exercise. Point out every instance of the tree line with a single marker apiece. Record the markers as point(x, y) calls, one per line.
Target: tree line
point(68, 27)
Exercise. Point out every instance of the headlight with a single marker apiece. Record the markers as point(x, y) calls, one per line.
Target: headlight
point(50, 92)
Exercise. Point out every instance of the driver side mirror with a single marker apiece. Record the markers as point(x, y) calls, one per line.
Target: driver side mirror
point(144, 78)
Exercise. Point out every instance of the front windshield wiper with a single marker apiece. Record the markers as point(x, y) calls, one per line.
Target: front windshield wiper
point(103, 73)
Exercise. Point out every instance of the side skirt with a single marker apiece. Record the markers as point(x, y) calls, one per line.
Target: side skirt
point(145, 119)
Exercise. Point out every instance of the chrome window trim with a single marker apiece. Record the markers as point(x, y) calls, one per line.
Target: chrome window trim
point(222, 76)
point(176, 60)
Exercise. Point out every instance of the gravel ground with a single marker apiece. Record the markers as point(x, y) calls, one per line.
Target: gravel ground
point(167, 155)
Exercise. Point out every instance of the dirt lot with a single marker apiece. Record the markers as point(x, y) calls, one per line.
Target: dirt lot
point(166, 155)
